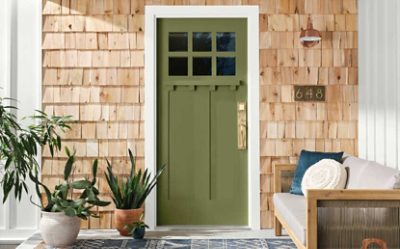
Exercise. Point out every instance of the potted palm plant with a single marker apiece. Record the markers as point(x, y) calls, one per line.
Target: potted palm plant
point(62, 209)
point(19, 145)
point(129, 193)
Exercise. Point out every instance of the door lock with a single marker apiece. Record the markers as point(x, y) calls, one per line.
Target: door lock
point(242, 125)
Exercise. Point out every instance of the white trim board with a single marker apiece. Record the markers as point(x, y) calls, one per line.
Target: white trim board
point(251, 13)
point(5, 89)
point(20, 75)
point(15, 236)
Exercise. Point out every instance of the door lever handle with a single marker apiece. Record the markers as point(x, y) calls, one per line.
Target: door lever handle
point(242, 125)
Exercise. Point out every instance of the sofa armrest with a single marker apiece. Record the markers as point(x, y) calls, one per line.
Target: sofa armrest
point(316, 196)
point(277, 170)
point(354, 194)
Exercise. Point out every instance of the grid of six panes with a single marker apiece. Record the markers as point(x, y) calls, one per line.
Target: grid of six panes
point(213, 53)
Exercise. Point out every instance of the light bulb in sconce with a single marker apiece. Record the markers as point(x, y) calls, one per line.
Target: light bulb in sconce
point(309, 37)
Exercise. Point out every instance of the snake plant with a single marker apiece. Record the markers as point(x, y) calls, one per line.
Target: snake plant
point(62, 199)
point(132, 191)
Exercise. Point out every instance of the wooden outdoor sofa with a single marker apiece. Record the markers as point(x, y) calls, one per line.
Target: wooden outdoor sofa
point(368, 207)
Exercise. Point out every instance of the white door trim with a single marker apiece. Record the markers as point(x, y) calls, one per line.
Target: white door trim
point(251, 13)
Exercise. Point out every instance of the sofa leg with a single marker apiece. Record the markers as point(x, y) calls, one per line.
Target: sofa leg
point(278, 227)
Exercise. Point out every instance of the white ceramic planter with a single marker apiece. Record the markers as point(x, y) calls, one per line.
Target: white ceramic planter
point(59, 230)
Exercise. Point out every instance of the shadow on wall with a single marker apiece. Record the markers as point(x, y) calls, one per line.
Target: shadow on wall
point(103, 35)
point(107, 16)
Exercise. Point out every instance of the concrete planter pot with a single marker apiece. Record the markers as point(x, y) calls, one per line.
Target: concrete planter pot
point(58, 229)
point(124, 217)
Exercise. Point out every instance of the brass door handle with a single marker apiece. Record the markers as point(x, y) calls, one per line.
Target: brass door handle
point(242, 125)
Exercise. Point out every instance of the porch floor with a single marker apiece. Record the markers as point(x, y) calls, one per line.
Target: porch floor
point(165, 233)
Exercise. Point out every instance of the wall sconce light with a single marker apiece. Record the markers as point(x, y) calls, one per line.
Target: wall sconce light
point(309, 37)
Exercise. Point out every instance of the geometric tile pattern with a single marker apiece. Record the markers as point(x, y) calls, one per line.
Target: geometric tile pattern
point(186, 244)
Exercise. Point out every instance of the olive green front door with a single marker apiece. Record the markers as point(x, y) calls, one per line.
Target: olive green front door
point(201, 121)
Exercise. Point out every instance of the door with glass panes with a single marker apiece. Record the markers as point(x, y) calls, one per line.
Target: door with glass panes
point(201, 121)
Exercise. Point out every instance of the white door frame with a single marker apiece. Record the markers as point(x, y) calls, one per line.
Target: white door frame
point(251, 13)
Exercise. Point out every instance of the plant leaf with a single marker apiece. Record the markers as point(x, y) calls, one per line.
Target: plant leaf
point(68, 166)
point(94, 171)
point(81, 184)
point(70, 212)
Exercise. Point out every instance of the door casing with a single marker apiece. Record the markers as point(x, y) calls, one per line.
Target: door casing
point(251, 13)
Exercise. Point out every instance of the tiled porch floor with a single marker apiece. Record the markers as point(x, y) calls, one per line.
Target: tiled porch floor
point(165, 233)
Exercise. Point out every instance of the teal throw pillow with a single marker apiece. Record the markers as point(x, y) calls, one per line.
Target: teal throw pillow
point(307, 159)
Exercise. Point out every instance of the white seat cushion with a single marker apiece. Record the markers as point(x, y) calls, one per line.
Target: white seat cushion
point(325, 174)
point(293, 210)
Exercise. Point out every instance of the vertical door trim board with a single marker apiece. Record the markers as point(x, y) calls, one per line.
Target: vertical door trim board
point(251, 13)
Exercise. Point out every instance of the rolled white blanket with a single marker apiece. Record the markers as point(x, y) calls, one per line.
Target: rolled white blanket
point(325, 174)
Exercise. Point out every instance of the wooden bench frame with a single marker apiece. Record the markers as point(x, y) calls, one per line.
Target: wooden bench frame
point(313, 197)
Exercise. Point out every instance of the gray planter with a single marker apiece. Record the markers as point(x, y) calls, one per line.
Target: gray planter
point(59, 230)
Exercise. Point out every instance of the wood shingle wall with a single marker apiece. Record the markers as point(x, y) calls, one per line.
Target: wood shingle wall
point(93, 69)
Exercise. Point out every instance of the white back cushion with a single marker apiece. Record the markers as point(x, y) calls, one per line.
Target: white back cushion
point(364, 174)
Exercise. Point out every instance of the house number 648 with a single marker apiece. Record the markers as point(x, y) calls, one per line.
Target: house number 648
point(309, 93)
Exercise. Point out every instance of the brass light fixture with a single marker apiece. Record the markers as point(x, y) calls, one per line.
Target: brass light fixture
point(309, 37)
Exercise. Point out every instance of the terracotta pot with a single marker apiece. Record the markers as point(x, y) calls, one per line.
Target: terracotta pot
point(125, 217)
point(58, 229)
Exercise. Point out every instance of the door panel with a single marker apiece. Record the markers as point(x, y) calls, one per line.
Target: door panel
point(227, 163)
point(201, 75)
point(188, 123)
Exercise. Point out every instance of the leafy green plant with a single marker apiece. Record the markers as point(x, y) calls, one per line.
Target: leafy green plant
point(136, 225)
point(131, 192)
point(61, 199)
point(18, 145)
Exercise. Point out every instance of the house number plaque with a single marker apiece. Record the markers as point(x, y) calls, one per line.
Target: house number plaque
point(309, 93)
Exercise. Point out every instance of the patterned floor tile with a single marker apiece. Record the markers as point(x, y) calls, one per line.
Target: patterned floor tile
point(186, 244)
